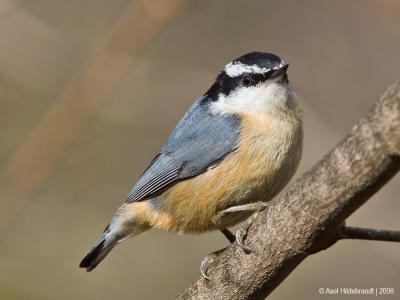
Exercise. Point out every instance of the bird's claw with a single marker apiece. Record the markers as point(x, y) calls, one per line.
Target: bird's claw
point(241, 233)
point(239, 236)
point(205, 263)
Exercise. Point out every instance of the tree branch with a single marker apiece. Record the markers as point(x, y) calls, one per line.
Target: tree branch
point(309, 216)
point(370, 234)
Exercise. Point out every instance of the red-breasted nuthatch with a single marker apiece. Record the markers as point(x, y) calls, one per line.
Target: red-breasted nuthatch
point(239, 143)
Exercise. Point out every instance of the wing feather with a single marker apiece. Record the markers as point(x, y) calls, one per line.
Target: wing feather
point(200, 140)
point(154, 185)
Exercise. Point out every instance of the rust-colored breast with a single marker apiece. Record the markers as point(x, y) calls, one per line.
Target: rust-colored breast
point(267, 156)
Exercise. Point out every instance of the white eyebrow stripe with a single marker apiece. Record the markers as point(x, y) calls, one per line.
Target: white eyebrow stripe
point(237, 68)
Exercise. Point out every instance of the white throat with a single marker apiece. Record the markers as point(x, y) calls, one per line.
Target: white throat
point(268, 97)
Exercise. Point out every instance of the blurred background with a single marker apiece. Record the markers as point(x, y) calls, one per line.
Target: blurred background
point(90, 90)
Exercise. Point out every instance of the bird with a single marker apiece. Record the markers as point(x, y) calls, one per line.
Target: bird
point(233, 151)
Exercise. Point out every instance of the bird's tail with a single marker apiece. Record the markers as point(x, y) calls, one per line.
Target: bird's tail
point(98, 252)
point(121, 227)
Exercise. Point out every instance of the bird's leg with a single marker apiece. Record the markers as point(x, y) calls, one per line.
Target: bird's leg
point(240, 233)
point(229, 235)
point(238, 237)
point(235, 237)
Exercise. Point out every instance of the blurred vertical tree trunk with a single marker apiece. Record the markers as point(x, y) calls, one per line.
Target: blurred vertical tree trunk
point(89, 89)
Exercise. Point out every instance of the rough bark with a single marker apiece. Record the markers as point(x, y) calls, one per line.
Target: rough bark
point(309, 216)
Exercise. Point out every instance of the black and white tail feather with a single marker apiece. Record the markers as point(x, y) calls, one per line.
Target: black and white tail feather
point(121, 227)
point(99, 251)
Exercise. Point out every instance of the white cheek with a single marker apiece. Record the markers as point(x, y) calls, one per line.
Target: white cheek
point(261, 99)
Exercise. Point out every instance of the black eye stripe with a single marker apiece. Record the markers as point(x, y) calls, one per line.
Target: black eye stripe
point(225, 84)
point(255, 78)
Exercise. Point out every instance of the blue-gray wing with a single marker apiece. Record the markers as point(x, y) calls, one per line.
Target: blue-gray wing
point(200, 140)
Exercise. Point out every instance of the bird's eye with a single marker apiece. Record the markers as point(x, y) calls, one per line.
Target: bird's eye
point(247, 80)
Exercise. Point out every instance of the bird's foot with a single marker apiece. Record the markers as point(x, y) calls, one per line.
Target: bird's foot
point(238, 237)
point(205, 263)
point(242, 232)
point(255, 206)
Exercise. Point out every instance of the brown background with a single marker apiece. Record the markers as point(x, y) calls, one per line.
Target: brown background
point(89, 91)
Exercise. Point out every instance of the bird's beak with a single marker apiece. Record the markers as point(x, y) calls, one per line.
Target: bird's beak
point(281, 72)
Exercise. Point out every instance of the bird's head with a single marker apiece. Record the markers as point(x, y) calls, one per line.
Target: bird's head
point(256, 82)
